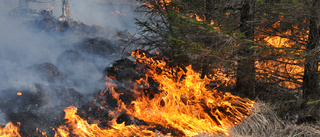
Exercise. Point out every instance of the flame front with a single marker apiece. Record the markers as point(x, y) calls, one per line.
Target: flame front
point(10, 130)
point(80, 128)
point(185, 103)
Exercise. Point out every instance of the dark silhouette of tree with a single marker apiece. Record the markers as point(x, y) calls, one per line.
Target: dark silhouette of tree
point(310, 78)
point(246, 69)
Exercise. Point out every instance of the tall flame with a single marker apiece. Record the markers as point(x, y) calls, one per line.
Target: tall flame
point(10, 130)
point(185, 103)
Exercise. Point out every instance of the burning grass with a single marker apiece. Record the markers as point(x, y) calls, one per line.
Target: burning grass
point(263, 121)
point(10, 130)
point(183, 105)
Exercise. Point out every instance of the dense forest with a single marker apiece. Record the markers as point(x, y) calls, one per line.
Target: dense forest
point(262, 49)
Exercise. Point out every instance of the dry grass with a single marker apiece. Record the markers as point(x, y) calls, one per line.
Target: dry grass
point(264, 123)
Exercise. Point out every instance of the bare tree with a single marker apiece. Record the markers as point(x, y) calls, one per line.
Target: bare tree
point(66, 9)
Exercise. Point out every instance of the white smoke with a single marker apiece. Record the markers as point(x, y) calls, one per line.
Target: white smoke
point(107, 13)
point(23, 45)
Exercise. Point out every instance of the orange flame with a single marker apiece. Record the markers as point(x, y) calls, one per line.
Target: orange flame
point(292, 68)
point(80, 127)
point(161, 3)
point(19, 93)
point(221, 77)
point(119, 13)
point(199, 19)
point(10, 130)
point(185, 103)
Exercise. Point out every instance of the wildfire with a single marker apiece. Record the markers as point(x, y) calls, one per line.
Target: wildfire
point(282, 68)
point(80, 127)
point(221, 77)
point(10, 130)
point(185, 103)
point(160, 2)
point(199, 19)
point(19, 93)
point(119, 13)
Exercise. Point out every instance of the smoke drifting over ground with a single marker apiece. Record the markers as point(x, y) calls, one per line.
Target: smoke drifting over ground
point(54, 63)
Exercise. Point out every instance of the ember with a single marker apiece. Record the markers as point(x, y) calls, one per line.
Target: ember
point(19, 93)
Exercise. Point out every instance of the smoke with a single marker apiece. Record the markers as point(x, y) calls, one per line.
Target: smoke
point(29, 55)
point(117, 14)
point(23, 45)
point(107, 13)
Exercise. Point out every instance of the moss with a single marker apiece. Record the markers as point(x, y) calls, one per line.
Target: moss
point(313, 102)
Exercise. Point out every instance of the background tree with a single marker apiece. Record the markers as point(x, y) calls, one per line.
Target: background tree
point(179, 30)
point(310, 77)
point(254, 41)
point(246, 65)
point(257, 48)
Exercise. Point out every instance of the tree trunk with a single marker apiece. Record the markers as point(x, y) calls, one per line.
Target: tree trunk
point(209, 9)
point(246, 70)
point(66, 9)
point(310, 84)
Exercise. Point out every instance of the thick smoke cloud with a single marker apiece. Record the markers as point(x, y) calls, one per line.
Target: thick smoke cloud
point(24, 47)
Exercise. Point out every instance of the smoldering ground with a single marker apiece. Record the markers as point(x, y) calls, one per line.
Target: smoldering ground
point(54, 69)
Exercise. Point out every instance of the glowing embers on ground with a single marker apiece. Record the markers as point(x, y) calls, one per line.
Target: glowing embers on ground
point(10, 130)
